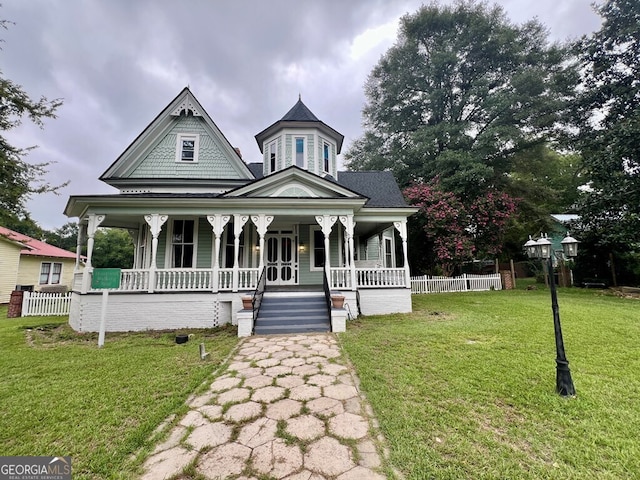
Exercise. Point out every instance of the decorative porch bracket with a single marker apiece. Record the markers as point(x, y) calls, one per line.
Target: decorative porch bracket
point(217, 222)
point(326, 223)
point(93, 222)
point(262, 223)
point(238, 224)
point(155, 222)
point(402, 230)
point(349, 226)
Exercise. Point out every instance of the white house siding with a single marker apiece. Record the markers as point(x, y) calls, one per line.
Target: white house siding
point(30, 266)
point(139, 312)
point(9, 261)
point(384, 301)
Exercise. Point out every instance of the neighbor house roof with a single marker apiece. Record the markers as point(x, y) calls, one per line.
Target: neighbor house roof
point(35, 247)
point(564, 217)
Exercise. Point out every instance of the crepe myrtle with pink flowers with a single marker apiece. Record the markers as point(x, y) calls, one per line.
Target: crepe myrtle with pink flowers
point(460, 231)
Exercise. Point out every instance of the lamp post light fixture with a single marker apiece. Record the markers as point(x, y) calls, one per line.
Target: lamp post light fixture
point(542, 249)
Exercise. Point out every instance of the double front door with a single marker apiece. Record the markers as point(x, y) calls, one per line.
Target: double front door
point(282, 258)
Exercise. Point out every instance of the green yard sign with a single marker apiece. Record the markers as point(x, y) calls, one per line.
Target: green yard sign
point(105, 278)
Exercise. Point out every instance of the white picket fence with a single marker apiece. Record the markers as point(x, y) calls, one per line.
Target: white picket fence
point(464, 283)
point(45, 304)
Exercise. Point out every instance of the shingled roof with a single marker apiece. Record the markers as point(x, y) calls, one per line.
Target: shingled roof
point(299, 116)
point(299, 113)
point(380, 187)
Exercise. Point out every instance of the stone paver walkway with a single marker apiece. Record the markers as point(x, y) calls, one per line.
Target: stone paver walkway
point(287, 407)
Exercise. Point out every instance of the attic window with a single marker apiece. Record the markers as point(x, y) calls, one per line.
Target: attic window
point(187, 148)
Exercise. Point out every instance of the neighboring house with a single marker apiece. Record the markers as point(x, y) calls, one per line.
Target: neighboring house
point(208, 227)
point(559, 230)
point(29, 264)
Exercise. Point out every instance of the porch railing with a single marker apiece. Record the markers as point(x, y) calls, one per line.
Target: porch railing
point(176, 280)
point(381, 277)
point(340, 277)
point(182, 280)
point(201, 279)
point(133, 280)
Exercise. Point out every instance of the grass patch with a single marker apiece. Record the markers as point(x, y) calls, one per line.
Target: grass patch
point(464, 387)
point(62, 395)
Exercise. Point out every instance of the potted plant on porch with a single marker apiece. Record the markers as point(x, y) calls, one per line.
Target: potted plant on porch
point(337, 300)
point(247, 302)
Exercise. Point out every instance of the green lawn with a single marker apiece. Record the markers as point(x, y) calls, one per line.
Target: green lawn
point(61, 395)
point(464, 388)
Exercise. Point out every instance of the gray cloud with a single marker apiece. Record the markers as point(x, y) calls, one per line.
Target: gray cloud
point(118, 63)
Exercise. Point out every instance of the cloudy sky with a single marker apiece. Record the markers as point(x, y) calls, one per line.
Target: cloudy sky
point(118, 63)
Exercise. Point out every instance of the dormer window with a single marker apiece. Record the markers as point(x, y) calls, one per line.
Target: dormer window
point(187, 148)
point(299, 151)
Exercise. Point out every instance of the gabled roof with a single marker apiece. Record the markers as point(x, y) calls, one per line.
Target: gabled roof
point(31, 246)
point(293, 182)
point(185, 102)
point(299, 116)
point(379, 187)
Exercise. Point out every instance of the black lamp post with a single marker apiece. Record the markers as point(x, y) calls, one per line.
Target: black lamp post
point(542, 249)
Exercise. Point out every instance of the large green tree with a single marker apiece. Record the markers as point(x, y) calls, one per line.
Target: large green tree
point(20, 179)
point(113, 248)
point(609, 119)
point(460, 95)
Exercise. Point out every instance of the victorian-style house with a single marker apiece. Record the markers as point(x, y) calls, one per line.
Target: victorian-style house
point(209, 228)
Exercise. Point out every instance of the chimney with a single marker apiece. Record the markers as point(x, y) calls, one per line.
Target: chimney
point(238, 151)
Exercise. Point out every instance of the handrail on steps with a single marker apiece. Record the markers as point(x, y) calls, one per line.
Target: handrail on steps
point(258, 293)
point(327, 290)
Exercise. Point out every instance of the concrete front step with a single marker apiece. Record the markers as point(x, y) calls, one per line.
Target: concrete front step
point(279, 329)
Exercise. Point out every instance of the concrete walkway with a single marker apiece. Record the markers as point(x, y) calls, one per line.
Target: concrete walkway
point(286, 407)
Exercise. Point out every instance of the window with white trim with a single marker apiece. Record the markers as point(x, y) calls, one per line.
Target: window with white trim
point(50, 273)
point(317, 248)
point(326, 159)
point(273, 156)
point(187, 148)
point(183, 243)
point(299, 153)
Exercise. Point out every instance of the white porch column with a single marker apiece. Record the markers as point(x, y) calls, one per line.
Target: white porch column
point(402, 229)
point(93, 223)
point(238, 225)
point(155, 222)
point(217, 223)
point(82, 233)
point(349, 226)
point(326, 223)
point(262, 223)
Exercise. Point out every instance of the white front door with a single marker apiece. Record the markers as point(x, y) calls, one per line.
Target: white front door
point(282, 259)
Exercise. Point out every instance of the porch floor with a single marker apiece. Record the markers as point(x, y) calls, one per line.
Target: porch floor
point(293, 288)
